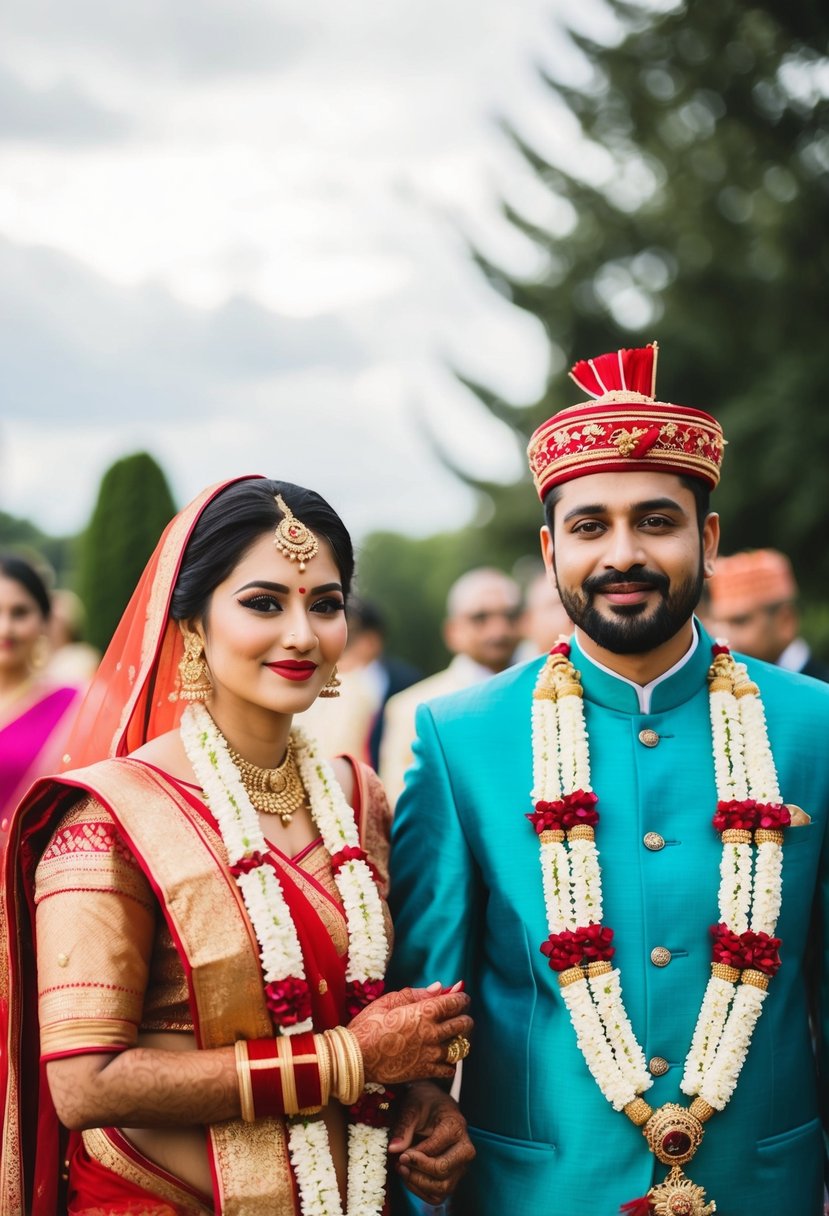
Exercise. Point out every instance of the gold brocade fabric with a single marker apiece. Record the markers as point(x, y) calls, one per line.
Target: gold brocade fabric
point(96, 924)
point(97, 917)
point(111, 962)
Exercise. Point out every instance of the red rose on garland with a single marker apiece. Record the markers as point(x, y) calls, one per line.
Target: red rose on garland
point(566, 812)
point(590, 944)
point(349, 853)
point(562, 950)
point(772, 816)
point(596, 943)
point(764, 952)
point(747, 815)
point(374, 1108)
point(245, 864)
point(359, 993)
point(289, 1000)
point(741, 950)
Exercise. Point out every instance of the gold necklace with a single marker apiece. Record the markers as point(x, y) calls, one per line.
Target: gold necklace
point(274, 791)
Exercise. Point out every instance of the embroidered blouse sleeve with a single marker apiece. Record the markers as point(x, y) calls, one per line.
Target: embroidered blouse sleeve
point(95, 926)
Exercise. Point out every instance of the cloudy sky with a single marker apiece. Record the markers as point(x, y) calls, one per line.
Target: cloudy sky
point(232, 233)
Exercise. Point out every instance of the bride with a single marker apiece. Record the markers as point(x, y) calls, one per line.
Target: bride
point(207, 910)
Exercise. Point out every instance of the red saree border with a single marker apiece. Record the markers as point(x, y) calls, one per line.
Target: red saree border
point(110, 1148)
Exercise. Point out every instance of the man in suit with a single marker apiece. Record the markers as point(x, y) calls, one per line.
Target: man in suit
point(752, 601)
point(699, 1080)
point(543, 619)
point(481, 630)
point(351, 723)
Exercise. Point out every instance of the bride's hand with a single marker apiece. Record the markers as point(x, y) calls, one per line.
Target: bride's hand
point(404, 1035)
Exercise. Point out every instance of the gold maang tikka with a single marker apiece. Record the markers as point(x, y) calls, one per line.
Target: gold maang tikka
point(292, 538)
point(275, 791)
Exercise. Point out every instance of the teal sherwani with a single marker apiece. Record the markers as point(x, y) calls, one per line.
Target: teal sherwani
point(467, 902)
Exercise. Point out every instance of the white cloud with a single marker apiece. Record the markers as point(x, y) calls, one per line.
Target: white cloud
point(263, 255)
point(208, 38)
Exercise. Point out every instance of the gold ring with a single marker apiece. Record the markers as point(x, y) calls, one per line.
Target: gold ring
point(457, 1049)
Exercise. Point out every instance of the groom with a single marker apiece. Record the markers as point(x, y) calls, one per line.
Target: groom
point(633, 735)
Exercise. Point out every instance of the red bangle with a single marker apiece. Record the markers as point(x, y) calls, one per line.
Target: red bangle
point(303, 1054)
point(266, 1078)
point(284, 1075)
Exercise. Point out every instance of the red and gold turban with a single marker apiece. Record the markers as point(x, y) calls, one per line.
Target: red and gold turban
point(625, 429)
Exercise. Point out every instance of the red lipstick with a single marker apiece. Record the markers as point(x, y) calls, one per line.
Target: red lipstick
point(291, 669)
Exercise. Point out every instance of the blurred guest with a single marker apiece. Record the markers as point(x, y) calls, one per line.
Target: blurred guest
point(35, 711)
point(385, 673)
point(752, 601)
point(483, 610)
point(544, 618)
point(351, 724)
point(72, 660)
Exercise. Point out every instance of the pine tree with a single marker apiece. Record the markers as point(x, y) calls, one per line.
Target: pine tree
point(705, 229)
point(134, 506)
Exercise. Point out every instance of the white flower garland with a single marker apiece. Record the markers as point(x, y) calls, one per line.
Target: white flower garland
point(753, 902)
point(279, 948)
point(366, 1184)
point(571, 876)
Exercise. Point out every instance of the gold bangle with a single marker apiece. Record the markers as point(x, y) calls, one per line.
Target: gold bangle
point(284, 1048)
point(356, 1071)
point(246, 1108)
point(324, 1061)
point(348, 1076)
point(334, 1059)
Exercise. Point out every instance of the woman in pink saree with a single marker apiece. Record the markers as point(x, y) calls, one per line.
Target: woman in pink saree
point(196, 930)
point(35, 713)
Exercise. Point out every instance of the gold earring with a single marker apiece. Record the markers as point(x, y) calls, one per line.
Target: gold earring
point(332, 686)
point(194, 678)
point(40, 653)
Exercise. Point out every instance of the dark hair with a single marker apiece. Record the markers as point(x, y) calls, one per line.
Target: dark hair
point(24, 573)
point(233, 521)
point(364, 616)
point(699, 489)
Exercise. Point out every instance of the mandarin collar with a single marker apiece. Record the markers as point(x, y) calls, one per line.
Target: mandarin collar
point(678, 685)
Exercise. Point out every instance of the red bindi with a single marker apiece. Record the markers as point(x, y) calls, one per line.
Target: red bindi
point(301, 590)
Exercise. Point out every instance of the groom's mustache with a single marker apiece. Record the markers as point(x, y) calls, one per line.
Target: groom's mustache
point(636, 578)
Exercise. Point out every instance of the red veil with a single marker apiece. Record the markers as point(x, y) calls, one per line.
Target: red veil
point(129, 700)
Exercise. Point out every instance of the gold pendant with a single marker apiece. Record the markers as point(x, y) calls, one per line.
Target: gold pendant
point(679, 1196)
point(673, 1134)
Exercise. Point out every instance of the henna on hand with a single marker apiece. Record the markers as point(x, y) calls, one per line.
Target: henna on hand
point(145, 1087)
point(403, 1035)
point(431, 1137)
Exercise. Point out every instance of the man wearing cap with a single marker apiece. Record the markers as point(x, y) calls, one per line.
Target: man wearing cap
point(752, 601)
point(623, 848)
